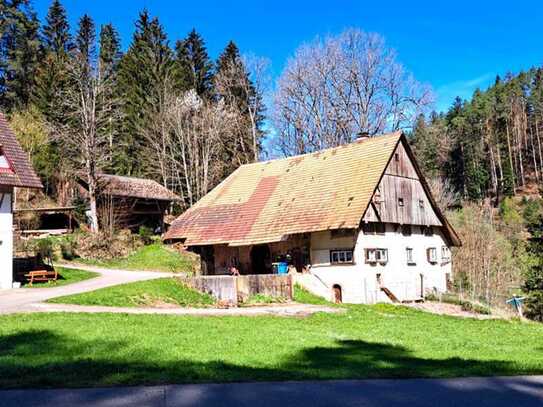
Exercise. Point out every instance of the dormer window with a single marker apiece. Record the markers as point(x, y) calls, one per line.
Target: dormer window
point(5, 166)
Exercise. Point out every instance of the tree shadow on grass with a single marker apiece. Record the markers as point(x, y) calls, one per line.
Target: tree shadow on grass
point(43, 359)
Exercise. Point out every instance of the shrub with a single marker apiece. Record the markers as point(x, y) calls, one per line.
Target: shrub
point(68, 248)
point(105, 246)
point(44, 248)
point(146, 234)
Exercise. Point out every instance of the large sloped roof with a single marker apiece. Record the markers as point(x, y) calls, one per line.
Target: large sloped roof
point(131, 187)
point(20, 174)
point(267, 201)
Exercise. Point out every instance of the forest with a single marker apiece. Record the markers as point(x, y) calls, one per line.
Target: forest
point(166, 110)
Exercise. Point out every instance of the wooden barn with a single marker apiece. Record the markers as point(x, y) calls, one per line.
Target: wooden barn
point(355, 223)
point(130, 202)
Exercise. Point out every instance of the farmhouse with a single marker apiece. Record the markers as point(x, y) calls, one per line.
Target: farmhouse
point(15, 172)
point(355, 223)
point(131, 202)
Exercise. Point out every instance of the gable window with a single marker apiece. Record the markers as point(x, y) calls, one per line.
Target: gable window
point(406, 230)
point(421, 203)
point(339, 233)
point(373, 228)
point(431, 254)
point(409, 256)
point(343, 256)
point(427, 230)
point(4, 163)
point(376, 256)
point(400, 201)
point(396, 157)
point(445, 254)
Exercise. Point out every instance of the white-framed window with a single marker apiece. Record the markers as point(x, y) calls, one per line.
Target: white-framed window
point(376, 255)
point(445, 254)
point(431, 253)
point(341, 256)
point(409, 256)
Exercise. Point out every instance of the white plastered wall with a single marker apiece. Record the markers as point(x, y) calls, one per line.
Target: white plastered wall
point(358, 281)
point(6, 240)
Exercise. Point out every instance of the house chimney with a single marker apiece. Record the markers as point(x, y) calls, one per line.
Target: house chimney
point(363, 135)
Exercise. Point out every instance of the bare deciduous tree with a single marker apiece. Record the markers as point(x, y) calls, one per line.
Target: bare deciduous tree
point(334, 89)
point(197, 127)
point(89, 109)
point(443, 193)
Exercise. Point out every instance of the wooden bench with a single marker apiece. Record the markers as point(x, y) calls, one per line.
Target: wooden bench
point(41, 275)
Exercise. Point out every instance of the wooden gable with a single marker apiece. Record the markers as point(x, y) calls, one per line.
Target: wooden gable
point(400, 197)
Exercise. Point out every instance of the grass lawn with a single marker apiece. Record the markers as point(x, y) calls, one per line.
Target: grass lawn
point(142, 293)
point(66, 276)
point(154, 257)
point(60, 350)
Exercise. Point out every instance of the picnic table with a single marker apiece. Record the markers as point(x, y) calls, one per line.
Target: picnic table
point(41, 275)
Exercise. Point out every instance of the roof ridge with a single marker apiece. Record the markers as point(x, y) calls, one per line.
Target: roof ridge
point(377, 137)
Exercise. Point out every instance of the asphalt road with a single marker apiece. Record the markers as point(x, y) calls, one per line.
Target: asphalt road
point(465, 392)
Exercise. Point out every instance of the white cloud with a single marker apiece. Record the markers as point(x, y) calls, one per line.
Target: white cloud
point(464, 88)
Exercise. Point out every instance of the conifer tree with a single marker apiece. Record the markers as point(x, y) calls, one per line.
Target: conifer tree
point(194, 67)
point(145, 72)
point(110, 49)
point(19, 53)
point(233, 85)
point(108, 61)
point(52, 76)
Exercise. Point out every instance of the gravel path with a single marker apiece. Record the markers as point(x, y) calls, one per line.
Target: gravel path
point(33, 299)
point(292, 310)
point(25, 299)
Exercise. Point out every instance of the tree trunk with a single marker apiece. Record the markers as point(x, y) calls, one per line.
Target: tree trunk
point(92, 199)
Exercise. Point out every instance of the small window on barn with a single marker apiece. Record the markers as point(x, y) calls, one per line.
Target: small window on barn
point(376, 256)
point(421, 204)
point(409, 256)
point(406, 230)
point(373, 228)
point(400, 201)
point(396, 157)
point(341, 256)
point(431, 254)
point(445, 254)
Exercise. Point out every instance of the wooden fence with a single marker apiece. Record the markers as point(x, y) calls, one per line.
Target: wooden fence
point(236, 289)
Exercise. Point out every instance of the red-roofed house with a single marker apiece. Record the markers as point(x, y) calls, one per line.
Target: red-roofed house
point(358, 219)
point(15, 171)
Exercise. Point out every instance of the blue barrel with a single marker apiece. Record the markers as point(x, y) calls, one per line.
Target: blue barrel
point(282, 268)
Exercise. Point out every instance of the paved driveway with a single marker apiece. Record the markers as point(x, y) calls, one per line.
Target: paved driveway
point(22, 299)
point(466, 392)
point(32, 299)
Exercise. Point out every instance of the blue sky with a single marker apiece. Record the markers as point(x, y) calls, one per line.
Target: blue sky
point(454, 46)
